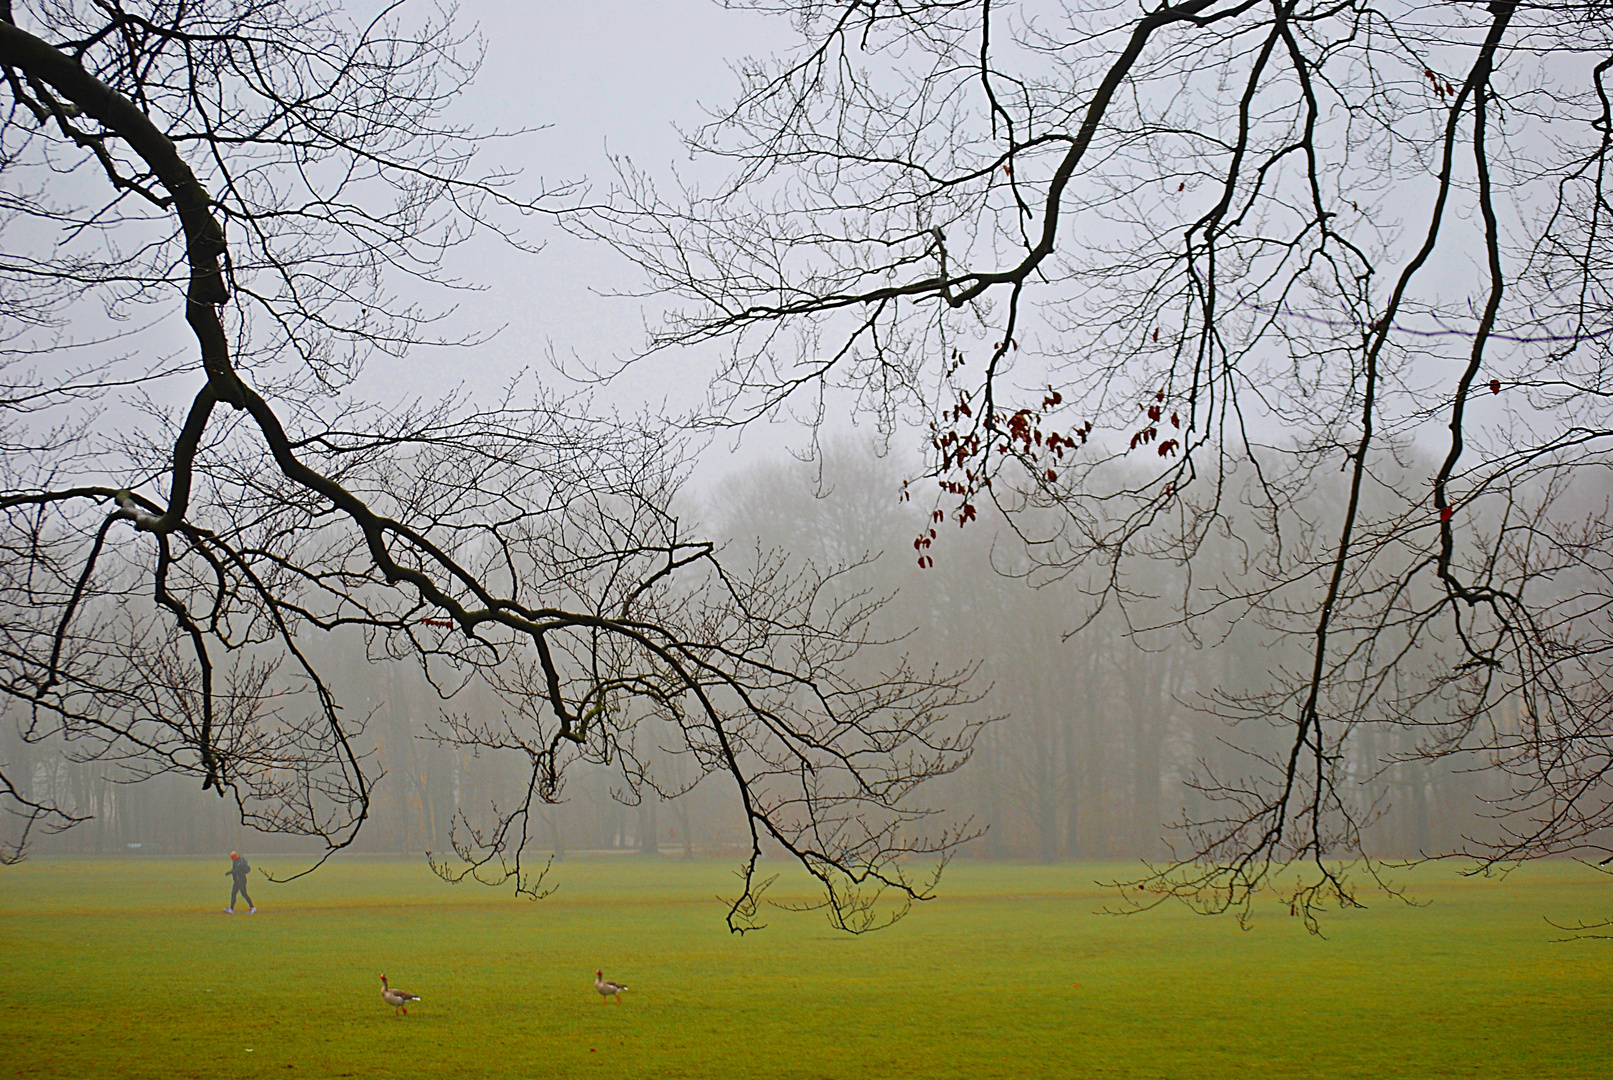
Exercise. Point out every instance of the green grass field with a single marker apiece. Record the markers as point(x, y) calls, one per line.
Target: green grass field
point(129, 968)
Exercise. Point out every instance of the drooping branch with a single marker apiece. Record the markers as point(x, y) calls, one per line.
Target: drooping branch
point(1229, 317)
point(528, 550)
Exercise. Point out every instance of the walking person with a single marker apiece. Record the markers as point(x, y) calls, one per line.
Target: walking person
point(239, 869)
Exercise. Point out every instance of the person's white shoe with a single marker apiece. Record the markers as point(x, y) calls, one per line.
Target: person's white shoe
point(252, 911)
point(229, 911)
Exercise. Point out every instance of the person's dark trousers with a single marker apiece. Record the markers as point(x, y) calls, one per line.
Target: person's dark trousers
point(239, 887)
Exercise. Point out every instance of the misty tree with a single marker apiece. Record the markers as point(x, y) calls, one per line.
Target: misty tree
point(184, 525)
point(1324, 280)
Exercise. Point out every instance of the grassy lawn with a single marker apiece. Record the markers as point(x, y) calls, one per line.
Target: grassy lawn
point(129, 968)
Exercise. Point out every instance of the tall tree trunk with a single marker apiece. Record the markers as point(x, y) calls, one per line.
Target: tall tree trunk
point(551, 817)
point(648, 842)
point(1072, 790)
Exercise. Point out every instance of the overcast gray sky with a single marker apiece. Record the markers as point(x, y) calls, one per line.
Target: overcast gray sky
point(602, 77)
point(606, 77)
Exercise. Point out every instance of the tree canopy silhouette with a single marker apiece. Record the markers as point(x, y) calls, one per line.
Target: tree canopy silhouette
point(1329, 279)
point(181, 527)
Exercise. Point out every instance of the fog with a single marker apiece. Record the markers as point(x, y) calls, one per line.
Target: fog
point(1100, 743)
point(1113, 717)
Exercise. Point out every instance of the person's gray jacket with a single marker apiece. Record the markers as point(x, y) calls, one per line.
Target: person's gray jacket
point(240, 868)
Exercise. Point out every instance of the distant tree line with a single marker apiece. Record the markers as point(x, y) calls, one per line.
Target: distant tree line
point(1101, 743)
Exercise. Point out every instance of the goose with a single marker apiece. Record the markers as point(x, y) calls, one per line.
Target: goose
point(607, 988)
point(398, 999)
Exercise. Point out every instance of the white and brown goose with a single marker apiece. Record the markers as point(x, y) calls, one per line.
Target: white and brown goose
point(607, 988)
point(398, 999)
